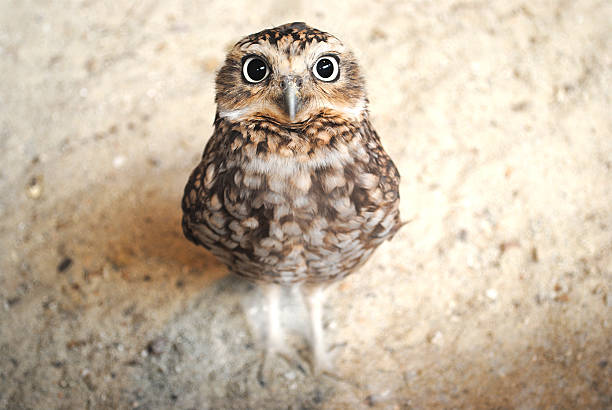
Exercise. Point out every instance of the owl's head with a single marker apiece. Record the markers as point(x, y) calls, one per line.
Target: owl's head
point(289, 74)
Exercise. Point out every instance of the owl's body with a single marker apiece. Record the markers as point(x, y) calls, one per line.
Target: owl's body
point(294, 185)
point(290, 205)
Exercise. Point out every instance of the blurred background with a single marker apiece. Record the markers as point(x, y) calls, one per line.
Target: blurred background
point(496, 295)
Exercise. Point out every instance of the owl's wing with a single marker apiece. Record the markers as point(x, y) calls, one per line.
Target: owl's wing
point(216, 208)
point(382, 199)
point(193, 208)
point(200, 198)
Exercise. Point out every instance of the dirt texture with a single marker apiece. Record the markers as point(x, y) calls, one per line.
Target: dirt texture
point(497, 294)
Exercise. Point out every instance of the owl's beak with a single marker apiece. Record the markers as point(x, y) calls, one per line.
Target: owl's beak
point(291, 86)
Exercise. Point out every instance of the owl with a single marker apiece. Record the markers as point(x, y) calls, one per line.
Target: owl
point(294, 187)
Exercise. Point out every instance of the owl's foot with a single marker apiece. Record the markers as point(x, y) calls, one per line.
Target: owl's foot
point(322, 362)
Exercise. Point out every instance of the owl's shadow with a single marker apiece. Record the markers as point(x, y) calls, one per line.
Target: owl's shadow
point(139, 234)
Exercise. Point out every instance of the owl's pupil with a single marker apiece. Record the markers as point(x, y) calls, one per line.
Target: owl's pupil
point(325, 68)
point(256, 69)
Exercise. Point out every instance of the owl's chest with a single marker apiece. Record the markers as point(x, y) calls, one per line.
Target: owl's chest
point(292, 221)
point(289, 212)
point(288, 198)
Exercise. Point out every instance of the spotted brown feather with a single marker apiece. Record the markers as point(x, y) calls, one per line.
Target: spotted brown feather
point(283, 204)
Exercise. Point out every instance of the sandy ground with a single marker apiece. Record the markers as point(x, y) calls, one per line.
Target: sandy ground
point(496, 295)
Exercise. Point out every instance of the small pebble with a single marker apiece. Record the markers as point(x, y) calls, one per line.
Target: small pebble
point(491, 294)
point(88, 379)
point(154, 162)
point(64, 264)
point(462, 235)
point(157, 346)
point(437, 339)
point(34, 188)
point(118, 161)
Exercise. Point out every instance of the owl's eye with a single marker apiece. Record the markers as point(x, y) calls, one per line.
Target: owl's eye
point(254, 69)
point(326, 68)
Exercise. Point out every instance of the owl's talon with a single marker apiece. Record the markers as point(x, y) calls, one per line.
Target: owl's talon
point(323, 364)
point(265, 372)
point(279, 350)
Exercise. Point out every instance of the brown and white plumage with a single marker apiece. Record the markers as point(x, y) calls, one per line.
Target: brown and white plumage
point(294, 186)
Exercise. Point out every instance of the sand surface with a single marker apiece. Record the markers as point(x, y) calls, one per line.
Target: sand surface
point(498, 294)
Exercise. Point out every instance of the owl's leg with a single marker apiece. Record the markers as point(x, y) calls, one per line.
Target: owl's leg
point(315, 298)
point(275, 339)
point(275, 342)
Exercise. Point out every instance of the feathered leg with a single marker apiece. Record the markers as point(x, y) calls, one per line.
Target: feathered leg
point(275, 342)
point(276, 345)
point(315, 298)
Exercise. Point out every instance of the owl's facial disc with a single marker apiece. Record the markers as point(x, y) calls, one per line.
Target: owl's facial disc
point(291, 75)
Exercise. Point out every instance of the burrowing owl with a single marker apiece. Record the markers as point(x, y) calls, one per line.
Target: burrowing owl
point(294, 186)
